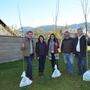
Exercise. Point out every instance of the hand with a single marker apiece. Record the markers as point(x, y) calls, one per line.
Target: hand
point(56, 44)
point(74, 55)
point(52, 51)
point(23, 45)
point(37, 57)
point(47, 57)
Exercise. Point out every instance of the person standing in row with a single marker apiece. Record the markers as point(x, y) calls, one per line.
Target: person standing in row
point(67, 48)
point(41, 53)
point(80, 50)
point(28, 52)
point(53, 46)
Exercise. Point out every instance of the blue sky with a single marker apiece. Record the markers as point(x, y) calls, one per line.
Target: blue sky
point(41, 12)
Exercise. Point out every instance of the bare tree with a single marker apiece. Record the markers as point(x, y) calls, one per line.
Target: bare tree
point(84, 4)
point(57, 13)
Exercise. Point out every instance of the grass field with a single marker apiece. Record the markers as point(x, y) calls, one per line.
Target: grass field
point(10, 78)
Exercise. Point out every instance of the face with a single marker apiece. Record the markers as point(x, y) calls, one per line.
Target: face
point(79, 32)
point(66, 34)
point(52, 37)
point(30, 35)
point(41, 39)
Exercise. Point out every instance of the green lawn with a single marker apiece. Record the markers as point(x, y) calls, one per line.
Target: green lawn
point(10, 78)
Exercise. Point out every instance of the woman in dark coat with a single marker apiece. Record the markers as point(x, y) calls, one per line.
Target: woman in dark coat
point(53, 46)
point(41, 52)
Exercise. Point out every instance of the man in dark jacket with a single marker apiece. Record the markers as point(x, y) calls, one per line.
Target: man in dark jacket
point(80, 50)
point(67, 50)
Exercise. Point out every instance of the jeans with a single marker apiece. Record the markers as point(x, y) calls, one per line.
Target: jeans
point(81, 63)
point(42, 60)
point(29, 66)
point(69, 62)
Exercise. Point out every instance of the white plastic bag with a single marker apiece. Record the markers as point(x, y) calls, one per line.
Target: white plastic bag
point(56, 72)
point(86, 76)
point(25, 80)
point(23, 74)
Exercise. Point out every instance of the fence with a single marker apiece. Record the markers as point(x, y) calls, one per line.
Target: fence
point(10, 48)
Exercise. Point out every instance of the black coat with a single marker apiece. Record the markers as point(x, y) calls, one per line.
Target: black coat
point(41, 48)
point(82, 45)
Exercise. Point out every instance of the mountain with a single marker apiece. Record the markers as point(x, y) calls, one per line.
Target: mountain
point(47, 28)
point(25, 29)
point(82, 25)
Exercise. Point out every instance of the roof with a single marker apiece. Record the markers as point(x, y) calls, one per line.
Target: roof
point(7, 28)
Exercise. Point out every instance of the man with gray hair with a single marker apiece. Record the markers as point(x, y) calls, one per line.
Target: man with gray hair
point(67, 50)
point(80, 50)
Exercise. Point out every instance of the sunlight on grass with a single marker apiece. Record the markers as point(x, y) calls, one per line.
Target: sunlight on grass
point(10, 78)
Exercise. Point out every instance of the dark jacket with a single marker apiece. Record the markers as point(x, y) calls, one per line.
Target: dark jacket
point(41, 48)
point(56, 45)
point(67, 45)
point(82, 45)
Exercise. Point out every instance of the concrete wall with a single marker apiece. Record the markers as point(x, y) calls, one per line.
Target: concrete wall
point(10, 48)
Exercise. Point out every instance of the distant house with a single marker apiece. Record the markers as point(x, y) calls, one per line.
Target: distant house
point(5, 30)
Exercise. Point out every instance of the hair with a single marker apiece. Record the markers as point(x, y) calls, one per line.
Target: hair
point(55, 39)
point(39, 38)
point(80, 29)
point(29, 32)
point(66, 32)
